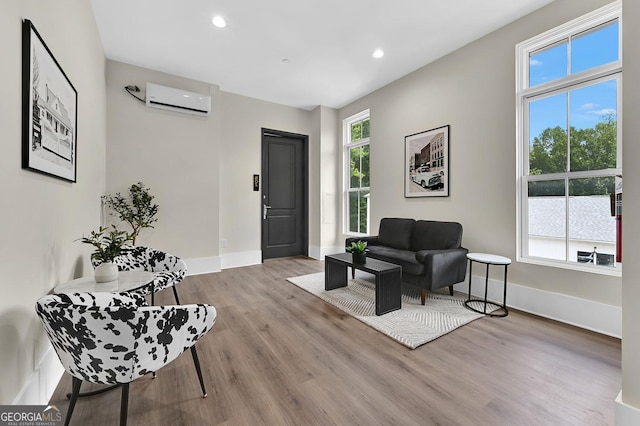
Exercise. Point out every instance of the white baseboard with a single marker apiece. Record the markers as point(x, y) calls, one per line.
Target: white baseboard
point(207, 265)
point(315, 252)
point(202, 265)
point(626, 415)
point(587, 314)
point(319, 253)
point(245, 258)
point(41, 384)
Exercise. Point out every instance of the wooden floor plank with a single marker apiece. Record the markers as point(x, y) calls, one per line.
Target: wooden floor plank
point(281, 356)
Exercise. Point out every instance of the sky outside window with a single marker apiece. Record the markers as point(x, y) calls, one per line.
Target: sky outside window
point(588, 106)
point(547, 112)
point(548, 64)
point(595, 47)
point(591, 104)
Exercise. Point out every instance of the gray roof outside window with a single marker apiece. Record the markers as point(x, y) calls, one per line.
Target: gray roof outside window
point(589, 218)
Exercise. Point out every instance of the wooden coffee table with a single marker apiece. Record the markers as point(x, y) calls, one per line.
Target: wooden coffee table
point(388, 279)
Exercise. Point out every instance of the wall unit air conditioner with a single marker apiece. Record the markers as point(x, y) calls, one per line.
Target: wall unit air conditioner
point(177, 100)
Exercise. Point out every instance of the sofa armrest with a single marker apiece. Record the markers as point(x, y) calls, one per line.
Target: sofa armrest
point(445, 267)
point(371, 241)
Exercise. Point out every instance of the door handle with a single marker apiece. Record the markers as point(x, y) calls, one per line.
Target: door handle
point(264, 210)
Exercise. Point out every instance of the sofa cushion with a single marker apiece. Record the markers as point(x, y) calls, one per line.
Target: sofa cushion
point(396, 233)
point(404, 258)
point(432, 235)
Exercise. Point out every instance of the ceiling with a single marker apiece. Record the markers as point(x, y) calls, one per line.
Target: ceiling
point(301, 53)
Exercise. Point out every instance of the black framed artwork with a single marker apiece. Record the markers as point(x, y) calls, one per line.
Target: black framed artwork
point(426, 162)
point(49, 111)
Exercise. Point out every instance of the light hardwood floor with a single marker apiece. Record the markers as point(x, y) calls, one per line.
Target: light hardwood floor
point(278, 355)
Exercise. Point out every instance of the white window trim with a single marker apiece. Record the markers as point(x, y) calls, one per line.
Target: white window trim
point(523, 92)
point(346, 137)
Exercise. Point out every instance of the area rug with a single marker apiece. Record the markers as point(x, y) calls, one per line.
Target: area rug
point(413, 325)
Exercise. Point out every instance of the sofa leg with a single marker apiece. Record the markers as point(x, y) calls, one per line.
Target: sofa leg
point(423, 295)
point(353, 272)
point(451, 290)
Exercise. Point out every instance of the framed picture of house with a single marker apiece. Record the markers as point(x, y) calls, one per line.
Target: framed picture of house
point(426, 163)
point(49, 111)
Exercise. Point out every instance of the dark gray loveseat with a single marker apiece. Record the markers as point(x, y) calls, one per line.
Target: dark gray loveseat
point(430, 252)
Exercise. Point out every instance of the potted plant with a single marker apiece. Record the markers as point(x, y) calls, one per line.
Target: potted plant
point(139, 210)
point(108, 243)
point(358, 250)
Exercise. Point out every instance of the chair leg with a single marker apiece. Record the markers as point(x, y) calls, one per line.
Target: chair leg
point(175, 294)
point(196, 362)
point(124, 404)
point(451, 290)
point(423, 295)
point(353, 272)
point(75, 390)
point(153, 303)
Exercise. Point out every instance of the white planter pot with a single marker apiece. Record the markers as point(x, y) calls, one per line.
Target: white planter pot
point(105, 272)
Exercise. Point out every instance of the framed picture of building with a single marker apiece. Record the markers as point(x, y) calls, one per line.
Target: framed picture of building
point(49, 111)
point(426, 163)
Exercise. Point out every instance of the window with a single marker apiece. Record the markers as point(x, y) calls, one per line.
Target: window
point(569, 144)
point(356, 167)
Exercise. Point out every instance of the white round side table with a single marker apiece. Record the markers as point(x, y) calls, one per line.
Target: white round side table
point(488, 259)
point(127, 281)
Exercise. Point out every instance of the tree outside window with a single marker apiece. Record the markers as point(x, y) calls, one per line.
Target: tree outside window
point(357, 199)
point(571, 168)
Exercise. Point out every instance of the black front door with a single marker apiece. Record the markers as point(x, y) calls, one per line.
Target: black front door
point(284, 194)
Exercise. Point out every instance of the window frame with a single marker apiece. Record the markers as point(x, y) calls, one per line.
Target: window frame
point(526, 94)
point(346, 169)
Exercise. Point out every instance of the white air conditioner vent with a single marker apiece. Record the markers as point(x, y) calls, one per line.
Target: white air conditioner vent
point(177, 100)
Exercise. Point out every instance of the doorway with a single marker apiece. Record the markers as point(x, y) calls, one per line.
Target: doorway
point(285, 198)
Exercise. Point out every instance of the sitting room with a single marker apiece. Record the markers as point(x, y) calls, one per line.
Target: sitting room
point(458, 119)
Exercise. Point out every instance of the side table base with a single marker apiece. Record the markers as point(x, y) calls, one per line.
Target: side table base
point(504, 309)
point(488, 259)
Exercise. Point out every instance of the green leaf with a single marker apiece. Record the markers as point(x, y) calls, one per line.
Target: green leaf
point(138, 210)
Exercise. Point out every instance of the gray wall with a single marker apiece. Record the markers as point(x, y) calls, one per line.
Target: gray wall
point(199, 168)
point(325, 182)
point(176, 155)
point(331, 178)
point(42, 216)
point(473, 90)
point(240, 158)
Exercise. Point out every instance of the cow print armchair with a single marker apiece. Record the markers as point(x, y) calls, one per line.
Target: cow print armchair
point(115, 338)
point(169, 270)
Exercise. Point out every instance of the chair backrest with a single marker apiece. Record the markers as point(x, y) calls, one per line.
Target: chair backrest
point(169, 269)
point(148, 259)
point(111, 338)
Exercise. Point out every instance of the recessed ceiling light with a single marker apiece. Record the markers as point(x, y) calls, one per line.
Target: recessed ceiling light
point(219, 21)
point(378, 53)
